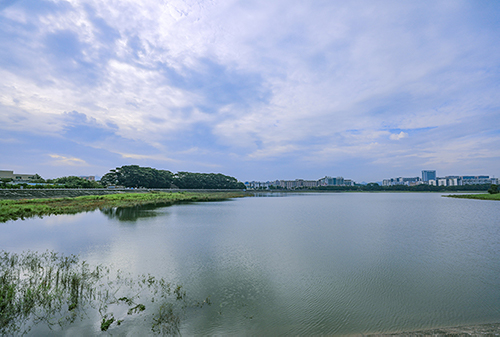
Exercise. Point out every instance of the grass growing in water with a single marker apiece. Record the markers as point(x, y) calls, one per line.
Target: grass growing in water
point(476, 196)
point(20, 209)
point(56, 290)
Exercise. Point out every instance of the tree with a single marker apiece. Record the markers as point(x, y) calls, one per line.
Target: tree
point(190, 180)
point(76, 182)
point(5, 181)
point(136, 176)
point(372, 187)
point(37, 179)
point(493, 189)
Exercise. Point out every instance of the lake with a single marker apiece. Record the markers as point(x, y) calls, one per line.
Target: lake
point(297, 263)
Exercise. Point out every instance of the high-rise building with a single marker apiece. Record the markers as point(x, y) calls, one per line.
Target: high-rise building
point(428, 175)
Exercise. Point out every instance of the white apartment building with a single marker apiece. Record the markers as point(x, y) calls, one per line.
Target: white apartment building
point(463, 180)
point(401, 181)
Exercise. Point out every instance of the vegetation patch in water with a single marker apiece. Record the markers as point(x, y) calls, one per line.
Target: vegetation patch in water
point(56, 290)
point(25, 208)
point(476, 196)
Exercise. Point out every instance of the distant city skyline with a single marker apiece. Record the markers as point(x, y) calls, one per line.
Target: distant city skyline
point(427, 177)
point(255, 90)
point(429, 174)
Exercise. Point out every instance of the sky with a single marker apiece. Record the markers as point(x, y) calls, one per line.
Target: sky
point(259, 90)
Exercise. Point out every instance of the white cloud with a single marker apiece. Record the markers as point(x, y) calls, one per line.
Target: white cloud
point(67, 161)
point(142, 157)
point(398, 136)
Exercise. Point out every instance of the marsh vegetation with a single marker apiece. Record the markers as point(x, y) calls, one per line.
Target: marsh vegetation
point(476, 196)
point(20, 209)
point(57, 290)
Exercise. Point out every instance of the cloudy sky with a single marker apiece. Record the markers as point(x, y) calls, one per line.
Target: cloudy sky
point(259, 90)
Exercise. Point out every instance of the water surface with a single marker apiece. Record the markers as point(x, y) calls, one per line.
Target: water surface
point(319, 263)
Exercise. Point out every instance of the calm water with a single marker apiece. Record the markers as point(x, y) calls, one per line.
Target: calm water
point(339, 263)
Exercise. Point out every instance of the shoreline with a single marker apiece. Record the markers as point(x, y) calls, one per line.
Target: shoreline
point(489, 329)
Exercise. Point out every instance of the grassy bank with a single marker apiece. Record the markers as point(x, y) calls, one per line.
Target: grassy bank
point(486, 196)
point(20, 209)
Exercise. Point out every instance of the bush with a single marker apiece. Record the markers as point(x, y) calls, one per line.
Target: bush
point(493, 189)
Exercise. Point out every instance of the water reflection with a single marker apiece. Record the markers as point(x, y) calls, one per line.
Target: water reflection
point(131, 214)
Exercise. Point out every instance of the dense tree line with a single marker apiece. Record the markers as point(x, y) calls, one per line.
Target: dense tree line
point(74, 182)
point(136, 176)
point(206, 181)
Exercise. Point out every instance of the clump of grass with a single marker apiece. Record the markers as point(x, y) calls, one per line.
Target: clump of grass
point(54, 289)
point(26, 208)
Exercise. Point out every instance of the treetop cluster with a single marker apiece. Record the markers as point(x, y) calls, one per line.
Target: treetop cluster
point(136, 176)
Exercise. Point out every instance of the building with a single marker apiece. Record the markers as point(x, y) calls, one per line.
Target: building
point(474, 180)
point(348, 182)
point(256, 185)
point(288, 184)
point(89, 178)
point(17, 177)
point(305, 183)
point(462, 180)
point(441, 182)
point(452, 181)
point(402, 181)
point(299, 183)
point(428, 175)
point(331, 181)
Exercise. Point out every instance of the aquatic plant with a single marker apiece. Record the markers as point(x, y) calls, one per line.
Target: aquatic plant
point(53, 289)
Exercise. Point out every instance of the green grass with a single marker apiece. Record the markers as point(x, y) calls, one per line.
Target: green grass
point(486, 196)
point(26, 208)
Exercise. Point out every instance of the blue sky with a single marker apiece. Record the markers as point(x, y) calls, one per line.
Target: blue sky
point(259, 90)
